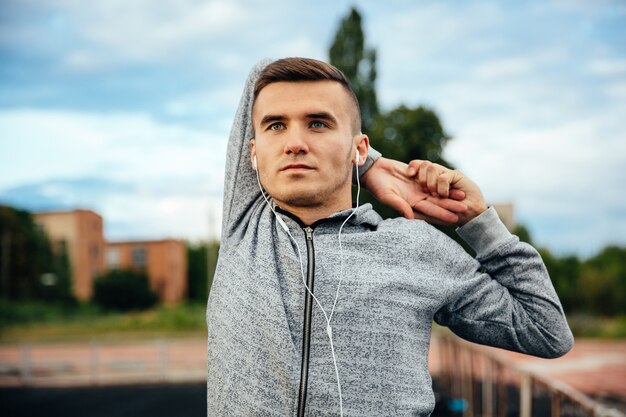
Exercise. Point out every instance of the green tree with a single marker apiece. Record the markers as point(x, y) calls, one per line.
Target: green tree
point(197, 272)
point(407, 133)
point(404, 133)
point(213, 251)
point(57, 285)
point(349, 53)
point(29, 268)
point(123, 290)
point(523, 233)
point(603, 282)
point(202, 260)
point(565, 273)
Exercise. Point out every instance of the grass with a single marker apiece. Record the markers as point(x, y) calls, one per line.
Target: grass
point(587, 326)
point(38, 322)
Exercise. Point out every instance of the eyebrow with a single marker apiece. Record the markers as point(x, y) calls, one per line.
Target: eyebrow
point(272, 118)
point(322, 116)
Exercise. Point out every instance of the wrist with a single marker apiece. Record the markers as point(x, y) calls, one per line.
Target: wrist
point(377, 165)
point(484, 232)
point(472, 212)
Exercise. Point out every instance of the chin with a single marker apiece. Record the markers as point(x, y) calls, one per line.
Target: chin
point(303, 200)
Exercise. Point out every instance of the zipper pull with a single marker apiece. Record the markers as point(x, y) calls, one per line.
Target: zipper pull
point(309, 233)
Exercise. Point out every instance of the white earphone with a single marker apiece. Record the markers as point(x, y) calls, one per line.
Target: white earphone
point(329, 330)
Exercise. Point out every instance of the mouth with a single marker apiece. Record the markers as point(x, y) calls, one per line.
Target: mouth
point(296, 167)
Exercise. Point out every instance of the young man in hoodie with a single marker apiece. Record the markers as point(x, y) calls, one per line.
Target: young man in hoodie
point(321, 309)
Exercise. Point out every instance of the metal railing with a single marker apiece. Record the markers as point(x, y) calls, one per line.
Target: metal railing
point(480, 383)
point(99, 363)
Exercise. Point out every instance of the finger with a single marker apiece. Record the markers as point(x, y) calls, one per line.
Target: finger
point(457, 194)
point(449, 204)
point(422, 175)
point(443, 185)
point(398, 204)
point(413, 168)
point(431, 179)
point(429, 209)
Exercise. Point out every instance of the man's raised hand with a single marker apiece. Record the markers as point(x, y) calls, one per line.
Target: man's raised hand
point(441, 182)
point(394, 183)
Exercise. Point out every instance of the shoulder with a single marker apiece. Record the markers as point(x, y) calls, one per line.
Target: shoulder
point(422, 237)
point(411, 229)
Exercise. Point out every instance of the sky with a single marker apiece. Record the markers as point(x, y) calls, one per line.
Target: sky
point(125, 107)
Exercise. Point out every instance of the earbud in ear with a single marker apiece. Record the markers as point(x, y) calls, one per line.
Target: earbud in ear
point(254, 162)
point(357, 157)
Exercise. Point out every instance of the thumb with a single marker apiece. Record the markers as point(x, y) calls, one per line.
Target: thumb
point(397, 203)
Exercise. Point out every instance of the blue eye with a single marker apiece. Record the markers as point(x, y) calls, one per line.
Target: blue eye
point(317, 124)
point(276, 126)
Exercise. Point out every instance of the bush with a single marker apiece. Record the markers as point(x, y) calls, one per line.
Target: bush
point(123, 290)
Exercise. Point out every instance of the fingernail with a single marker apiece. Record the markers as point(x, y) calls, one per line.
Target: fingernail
point(411, 171)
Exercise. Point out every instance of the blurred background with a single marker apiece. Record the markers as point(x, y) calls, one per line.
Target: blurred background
point(114, 119)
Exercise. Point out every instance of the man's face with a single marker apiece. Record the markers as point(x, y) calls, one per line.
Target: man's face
point(304, 143)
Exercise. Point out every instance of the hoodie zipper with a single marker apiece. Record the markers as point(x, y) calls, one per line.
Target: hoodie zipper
point(306, 331)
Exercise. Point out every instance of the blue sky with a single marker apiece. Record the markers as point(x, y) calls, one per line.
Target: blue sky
point(125, 107)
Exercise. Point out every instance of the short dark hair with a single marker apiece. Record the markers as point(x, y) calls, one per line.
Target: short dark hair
point(307, 69)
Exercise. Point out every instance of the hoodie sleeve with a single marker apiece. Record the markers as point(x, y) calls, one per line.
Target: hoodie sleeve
point(504, 298)
point(241, 189)
point(240, 186)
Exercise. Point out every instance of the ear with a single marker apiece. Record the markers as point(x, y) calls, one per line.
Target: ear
point(361, 143)
point(253, 154)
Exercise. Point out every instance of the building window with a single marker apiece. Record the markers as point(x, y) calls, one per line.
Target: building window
point(113, 258)
point(93, 249)
point(139, 257)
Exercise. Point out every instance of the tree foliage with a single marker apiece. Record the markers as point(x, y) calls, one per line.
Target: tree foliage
point(406, 133)
point(29, 267)
point(595, 286)
point(358, 63)
point(197, 272)
point(603, 282)
point(202, 261)
point(403, 133)
point(123, 290)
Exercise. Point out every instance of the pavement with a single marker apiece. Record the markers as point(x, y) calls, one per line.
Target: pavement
point(594, 367)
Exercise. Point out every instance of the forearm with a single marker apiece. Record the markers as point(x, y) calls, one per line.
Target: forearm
point(240, 186)
point(513, 303)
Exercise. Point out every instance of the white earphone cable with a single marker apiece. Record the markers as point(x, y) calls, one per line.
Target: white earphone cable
point(328, 318)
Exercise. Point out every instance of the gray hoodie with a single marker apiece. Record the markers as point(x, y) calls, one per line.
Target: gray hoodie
point(399, 276)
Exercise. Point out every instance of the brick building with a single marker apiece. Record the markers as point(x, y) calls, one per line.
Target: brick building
point(164, 261)
point(82, 233)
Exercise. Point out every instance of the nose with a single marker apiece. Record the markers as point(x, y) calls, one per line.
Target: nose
point(296, 143)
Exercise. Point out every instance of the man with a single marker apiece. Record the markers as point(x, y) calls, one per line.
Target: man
point(324, 310)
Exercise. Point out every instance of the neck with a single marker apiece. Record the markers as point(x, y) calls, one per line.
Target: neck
point(309, 215)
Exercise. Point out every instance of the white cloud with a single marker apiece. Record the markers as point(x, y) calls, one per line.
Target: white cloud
point(545, 106)
point(159, 216)
point(175, 173)
point(609, 67)
point(42, 144)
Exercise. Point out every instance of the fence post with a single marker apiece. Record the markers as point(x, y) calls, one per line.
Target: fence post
point(26, 368)
point(502, 404)
point(555, 404)
point(94, 363)
point(163, 359)
point(487, 408)
point(526, 396)
point(467, 392)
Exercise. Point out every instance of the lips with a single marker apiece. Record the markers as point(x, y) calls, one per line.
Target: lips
point(296, 167)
